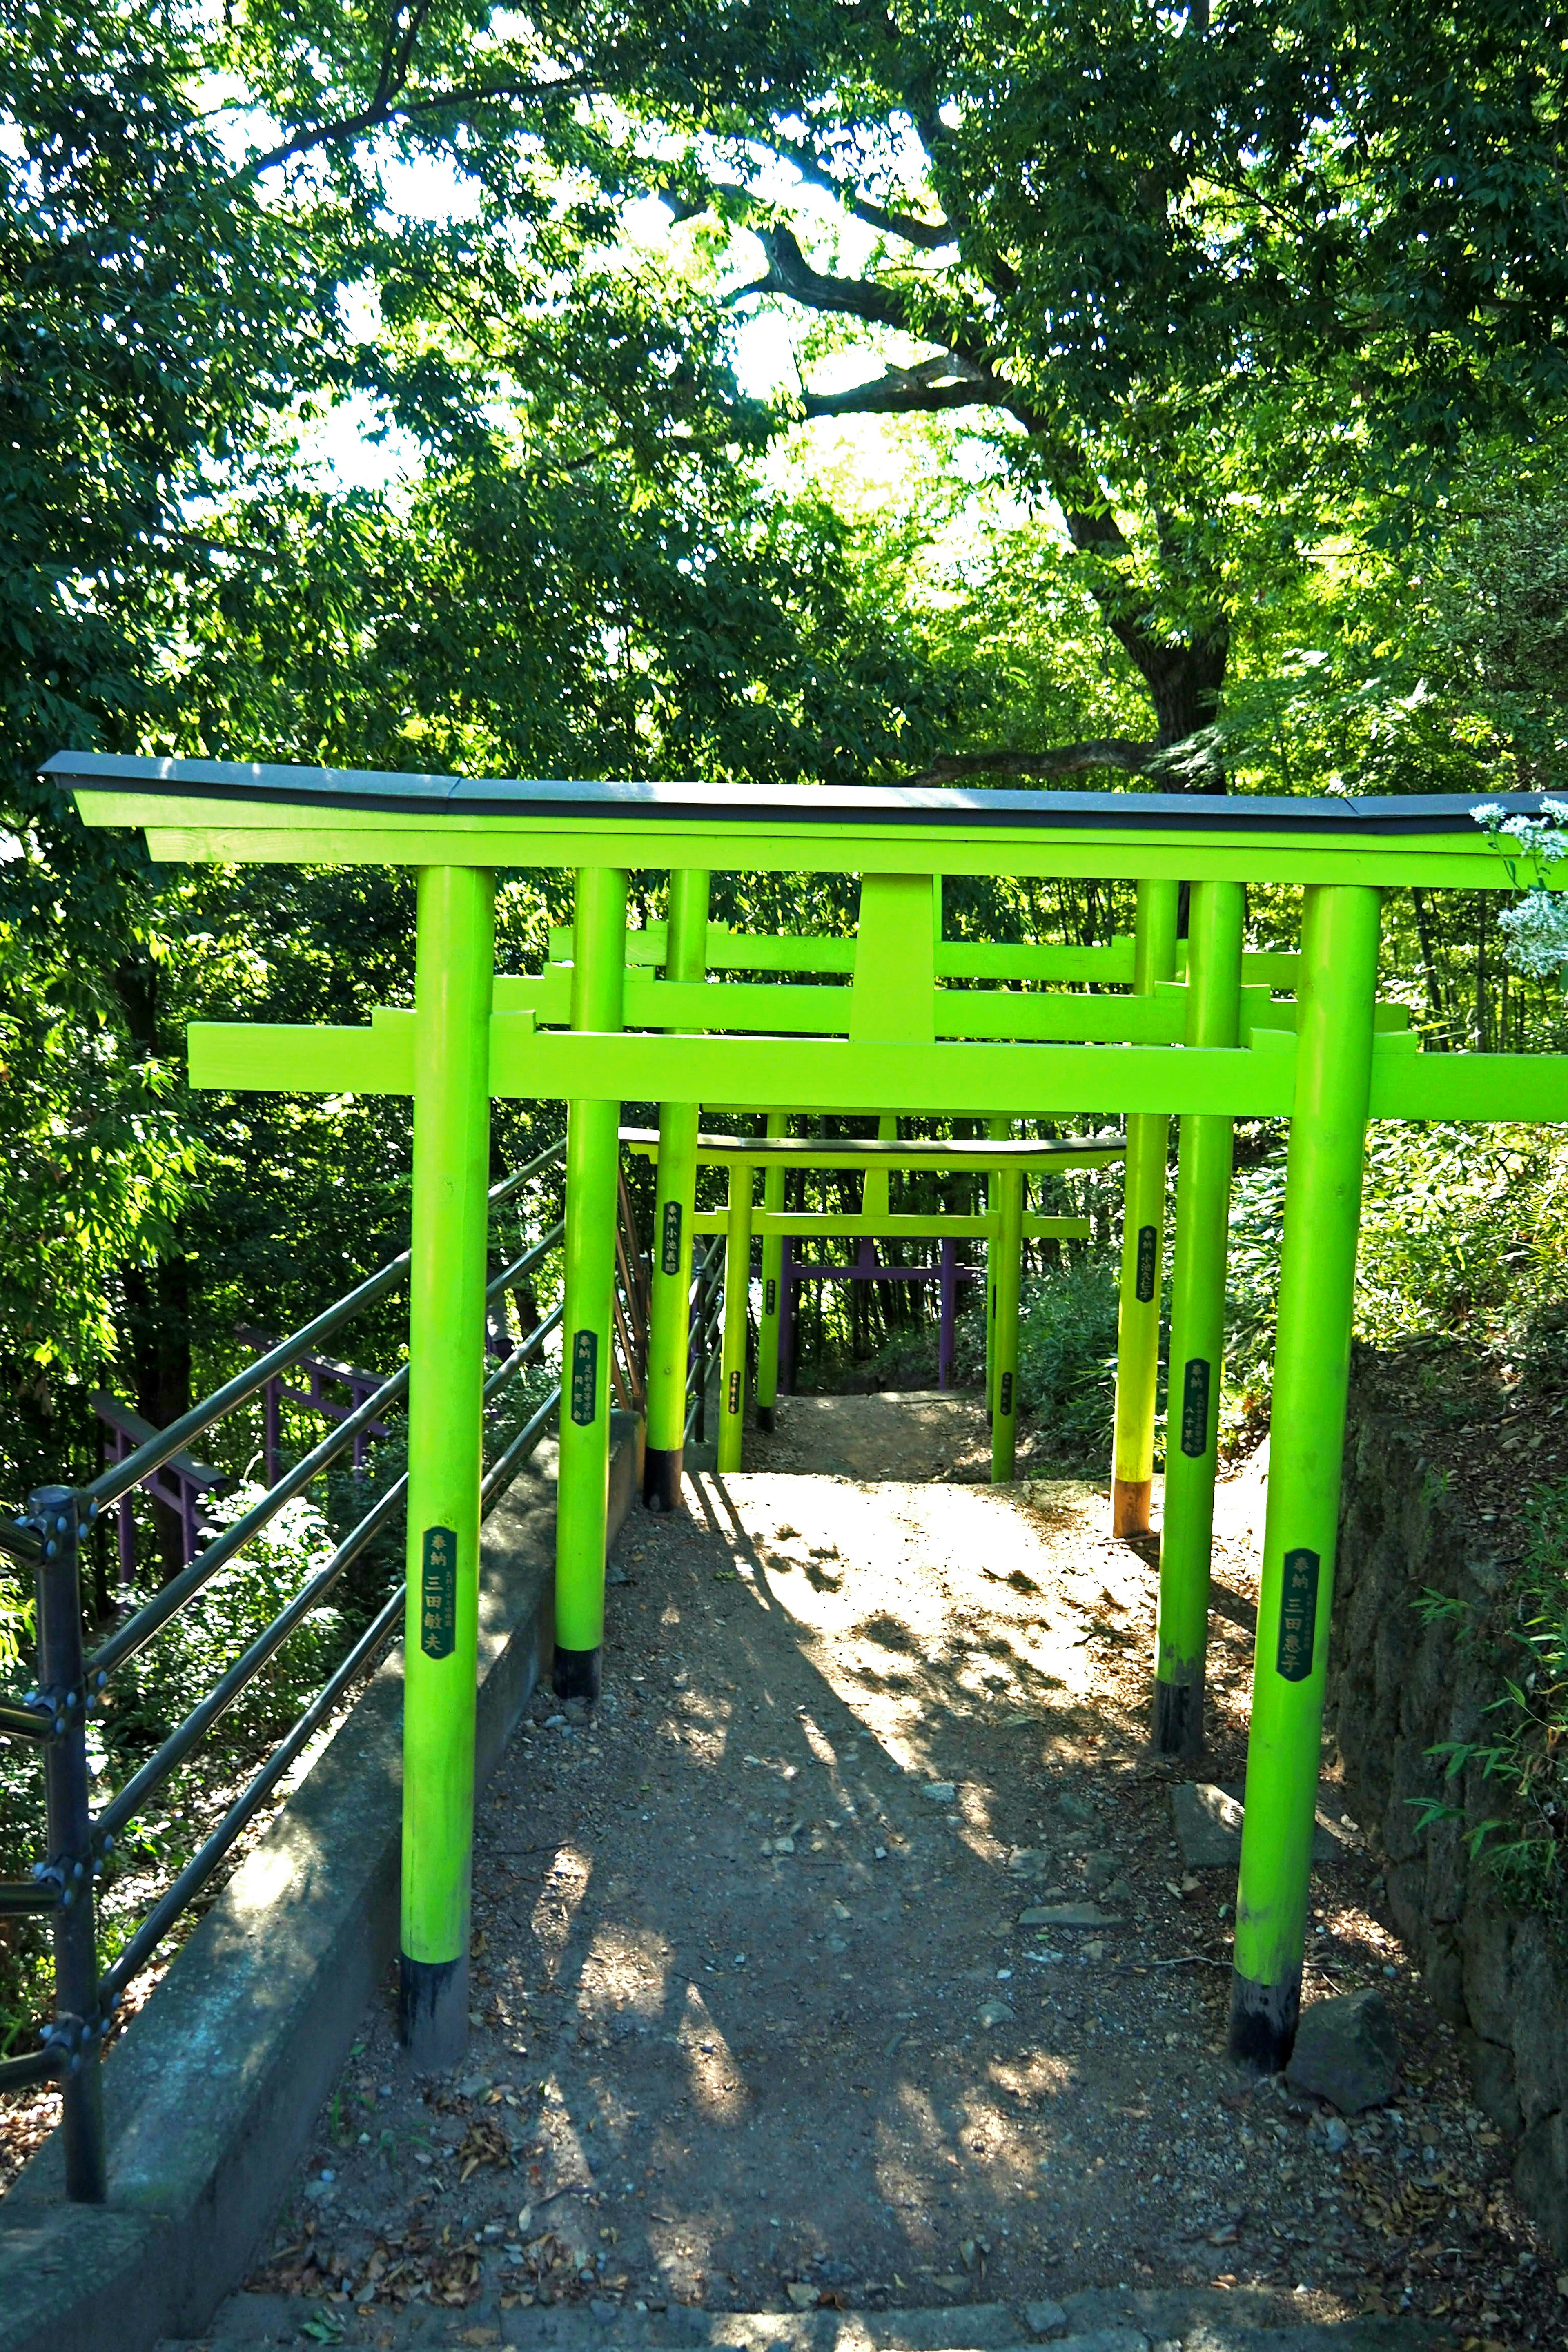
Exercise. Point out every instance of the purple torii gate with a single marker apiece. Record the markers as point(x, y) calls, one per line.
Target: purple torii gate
point(868, 1267)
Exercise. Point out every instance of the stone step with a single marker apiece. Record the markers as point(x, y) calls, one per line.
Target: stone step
point(1098, 2320)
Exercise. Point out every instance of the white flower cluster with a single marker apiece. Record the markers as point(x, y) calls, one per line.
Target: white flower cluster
point(1537, 928)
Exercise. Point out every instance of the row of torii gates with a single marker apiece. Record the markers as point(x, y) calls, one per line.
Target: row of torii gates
point(887, 1034)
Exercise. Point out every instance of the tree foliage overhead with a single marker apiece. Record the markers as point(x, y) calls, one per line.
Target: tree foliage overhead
point(1221, 267)
point(1254, 314)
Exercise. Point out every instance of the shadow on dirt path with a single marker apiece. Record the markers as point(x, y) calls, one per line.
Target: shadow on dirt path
point(770, 2008)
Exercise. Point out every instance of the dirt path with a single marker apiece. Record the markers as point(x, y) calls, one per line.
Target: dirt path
point(759, 2022)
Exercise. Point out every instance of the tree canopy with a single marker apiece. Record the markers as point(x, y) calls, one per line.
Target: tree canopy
point(1211, 360)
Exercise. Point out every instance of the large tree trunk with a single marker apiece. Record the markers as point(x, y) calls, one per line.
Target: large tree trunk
point(1185, 681)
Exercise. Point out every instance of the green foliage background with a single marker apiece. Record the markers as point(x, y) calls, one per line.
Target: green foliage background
point(1174, 393)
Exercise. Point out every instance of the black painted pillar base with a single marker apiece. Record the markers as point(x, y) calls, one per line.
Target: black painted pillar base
point(764, 1416)
point(1178, 1728)
point(576, 1673)
point(662, 1477)
point(433, 2012)
point(1263, 2021)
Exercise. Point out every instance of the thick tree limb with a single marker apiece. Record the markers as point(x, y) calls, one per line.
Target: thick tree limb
point(789, 273)
point(931, 236)
point(1065, 760)
point(935, 383)
point(1184, 677)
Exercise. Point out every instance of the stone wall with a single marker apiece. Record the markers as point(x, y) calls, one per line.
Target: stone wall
point(1398, 1683)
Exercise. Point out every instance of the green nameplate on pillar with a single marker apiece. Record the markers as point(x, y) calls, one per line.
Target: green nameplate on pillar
point(669, 1251)
point(1005, 1404)
point(438, 1592)
point(771, 1299)
point(1196, 1406)
point(585, 1377)
point(1148, 1245)
point(1297, 1615)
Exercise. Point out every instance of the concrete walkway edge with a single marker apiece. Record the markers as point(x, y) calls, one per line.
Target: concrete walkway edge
point(212, 2090)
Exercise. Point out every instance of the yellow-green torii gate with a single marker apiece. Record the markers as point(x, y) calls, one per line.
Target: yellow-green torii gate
point(1004, 1226)
point(1327, 1072)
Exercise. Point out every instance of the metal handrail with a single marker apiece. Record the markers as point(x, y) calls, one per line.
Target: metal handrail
point(521, 1353)
point(706, 1306)
point(138, 1630)
point(121, 1476)
point(40, 2065)
point(501, 1473)
point(56, 1718)
point(135, 1955)
point(531, 1257)
point(128, 1801)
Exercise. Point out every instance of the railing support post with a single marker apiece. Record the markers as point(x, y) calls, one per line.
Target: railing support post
point(593, 1182)
point(1197, 1334)
point(768, 1323)
point(1311, 1375)
point(737, 1287)
point(1143, 1243)
point(675, 1201)
point(56, 1511)
point(453, 983)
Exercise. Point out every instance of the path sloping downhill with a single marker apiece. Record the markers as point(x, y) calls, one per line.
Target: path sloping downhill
point(768, 2036)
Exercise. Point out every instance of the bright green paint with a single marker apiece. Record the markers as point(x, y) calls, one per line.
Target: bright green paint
point(593, 1160)
point(774, 840)
point(771, 1273)
point(1311, 1363)
point(1143, 1225)
point(958, 1153)
point(1197, 1310)
point(944, 1081)
point(893, 993)
point(832, 1074)
point(737, 1287)
point(674, 1193)
point(1006, 1254)
point(1000, 1130)
point(455, 956)
point(874, 1193)
point(1111, 966)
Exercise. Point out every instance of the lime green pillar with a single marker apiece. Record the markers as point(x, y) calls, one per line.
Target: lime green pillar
point(737, 1290)
point(593, 1160)
point(1142, 1243)
point(1007, 1256)
point(772, 1275)
point(453, 969)
point(675, 1200)
point(1311, 1373)
point(998, 1129)
point(1197, 1333)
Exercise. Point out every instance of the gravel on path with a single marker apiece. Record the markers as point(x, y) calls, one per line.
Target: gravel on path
point(762, 2020)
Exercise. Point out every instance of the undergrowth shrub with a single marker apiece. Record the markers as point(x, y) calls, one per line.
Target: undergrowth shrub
point(158, 1687)
point(1522, 1751)
point(1066, 1353)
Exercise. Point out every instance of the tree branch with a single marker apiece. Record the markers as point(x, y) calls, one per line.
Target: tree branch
point(1067, 760)
point(383, 110)
point(931, 236)
point(936, 383)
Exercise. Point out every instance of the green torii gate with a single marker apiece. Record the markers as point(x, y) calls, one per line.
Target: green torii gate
point(1328, 1072)
point(1223, 994)
point(1003, 1227)
point(1149, 962)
